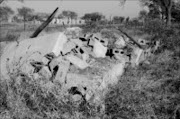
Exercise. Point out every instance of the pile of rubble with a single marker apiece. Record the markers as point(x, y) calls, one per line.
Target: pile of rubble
point(84, 65)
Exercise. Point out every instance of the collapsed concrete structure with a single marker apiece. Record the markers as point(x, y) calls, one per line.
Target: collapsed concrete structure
point(83, 65)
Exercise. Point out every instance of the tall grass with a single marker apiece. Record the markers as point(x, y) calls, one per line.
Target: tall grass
point(149, 91)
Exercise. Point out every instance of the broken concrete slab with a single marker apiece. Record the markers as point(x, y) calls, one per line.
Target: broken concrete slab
point(120, 42)
point(81, 52)
point(118, 53)
point(104, 41)
point(143, 42)
point(80, 81)
point(45, 61)
point(99, 50)
point(34, 48)
point(111, 77)
point(44, 71)
point(68, 47)
point(77, 61)
point(136, 55)
point(59, 68)
point(76, 97)
point(77, 42)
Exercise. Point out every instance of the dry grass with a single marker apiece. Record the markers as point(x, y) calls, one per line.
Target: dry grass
point(150, 91)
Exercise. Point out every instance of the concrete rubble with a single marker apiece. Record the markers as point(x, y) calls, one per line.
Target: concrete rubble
point(82, 64)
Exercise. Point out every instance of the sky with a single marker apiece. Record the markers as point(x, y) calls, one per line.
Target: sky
point(109, 8)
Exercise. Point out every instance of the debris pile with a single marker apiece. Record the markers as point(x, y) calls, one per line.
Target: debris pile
point(84, 65)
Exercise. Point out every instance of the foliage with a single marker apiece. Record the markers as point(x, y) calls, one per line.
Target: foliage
point(161, 7)
point(5, 12)
point(143, 14)
point(68, 14)
point(25, 12)
point(176, 12)
point(118, 19)
point(93, 16)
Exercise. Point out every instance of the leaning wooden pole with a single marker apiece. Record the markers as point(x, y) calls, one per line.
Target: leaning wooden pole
point(132, 39)
point(1, 1)
point(43, 25)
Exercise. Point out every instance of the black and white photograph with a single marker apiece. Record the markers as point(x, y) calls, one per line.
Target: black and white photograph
point(89, 59)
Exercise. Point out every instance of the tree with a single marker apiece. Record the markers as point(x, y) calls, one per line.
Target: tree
point(25, 12)
point(165, 7)
point(1, 1)
point(68, 14)
point(143, 15)
point(60, 16)
point(176, 11)
point(93, 16)
point(73, 15)
point(5, 12)
point(118, 19)
point(127, 20)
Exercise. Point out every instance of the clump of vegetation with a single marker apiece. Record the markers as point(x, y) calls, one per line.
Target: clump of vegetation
point(22, 96)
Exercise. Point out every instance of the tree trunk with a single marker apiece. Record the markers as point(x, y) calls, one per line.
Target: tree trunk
point(168, 14)
point(24, 24)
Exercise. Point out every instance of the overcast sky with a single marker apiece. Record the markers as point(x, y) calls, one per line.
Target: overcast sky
point(106, 7)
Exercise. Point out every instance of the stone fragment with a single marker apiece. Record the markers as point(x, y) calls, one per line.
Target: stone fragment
point(59, 68)
point(119, 54)
point(104, 42)
point(142, 42)
point(91, 42)
point(44, 71)
point(77, 61)
point(136, 56)
point(68, 47)
point(58, 47)
point(76, 97)
point(78, 80)
point(45, 60)
point(77, 42)
point(33, 48)
point(120, 42)
point(99, 50)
